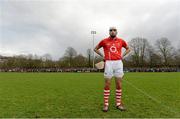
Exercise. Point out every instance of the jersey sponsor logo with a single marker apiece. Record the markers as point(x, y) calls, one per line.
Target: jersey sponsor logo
point(113, 49)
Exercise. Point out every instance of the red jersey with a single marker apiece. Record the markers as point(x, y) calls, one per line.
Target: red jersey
point(112, 48)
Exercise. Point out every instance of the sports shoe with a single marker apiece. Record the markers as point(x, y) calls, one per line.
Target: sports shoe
point(121, 107)
point(105, 108)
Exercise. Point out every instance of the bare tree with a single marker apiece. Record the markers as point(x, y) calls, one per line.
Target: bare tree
point(139, 47)
point(177, 58)
point(46, 57)
point(165, 49)
point(70, 53)
point(153, 58)
point(80, 61)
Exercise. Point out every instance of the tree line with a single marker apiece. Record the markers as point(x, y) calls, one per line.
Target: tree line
point(143, 54)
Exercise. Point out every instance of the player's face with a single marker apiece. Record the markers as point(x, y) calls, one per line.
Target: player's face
point(113, 32)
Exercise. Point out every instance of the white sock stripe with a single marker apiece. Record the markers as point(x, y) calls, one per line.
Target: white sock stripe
point(106, 94)
point(118, 104)
point(118, 90)
point(118, 93)
point(106, 104)
point(107, 91)
point(118, 96)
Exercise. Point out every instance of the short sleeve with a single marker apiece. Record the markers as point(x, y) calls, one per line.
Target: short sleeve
point(101, 43)
point(124, 44)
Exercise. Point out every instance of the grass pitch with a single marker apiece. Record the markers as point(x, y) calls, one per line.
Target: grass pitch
point(81, 95)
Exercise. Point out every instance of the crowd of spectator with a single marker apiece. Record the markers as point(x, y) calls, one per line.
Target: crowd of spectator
point(162, 69)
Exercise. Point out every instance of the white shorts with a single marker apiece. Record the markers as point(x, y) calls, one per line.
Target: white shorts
point(113, 68)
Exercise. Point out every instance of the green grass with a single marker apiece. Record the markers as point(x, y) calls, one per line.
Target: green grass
point(81, 95)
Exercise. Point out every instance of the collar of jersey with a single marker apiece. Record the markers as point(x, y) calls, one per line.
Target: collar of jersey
point(115, 38)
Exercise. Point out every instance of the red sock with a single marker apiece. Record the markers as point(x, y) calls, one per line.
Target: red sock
point(106, 96)
point(118, 96)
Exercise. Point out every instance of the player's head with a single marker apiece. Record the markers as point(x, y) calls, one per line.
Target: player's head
point(112, 32)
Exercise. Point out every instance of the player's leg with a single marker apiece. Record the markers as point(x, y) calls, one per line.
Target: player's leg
point(118, 82)
point(108, 72)
point(119, 102)
point(118, 73)
point(106, 94)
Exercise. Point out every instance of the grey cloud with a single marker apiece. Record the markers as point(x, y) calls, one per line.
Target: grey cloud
point(50, 26)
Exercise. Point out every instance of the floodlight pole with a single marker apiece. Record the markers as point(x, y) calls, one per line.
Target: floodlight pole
point(93, 34)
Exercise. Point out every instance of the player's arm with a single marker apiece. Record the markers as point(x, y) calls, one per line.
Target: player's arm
point(96, 49)
point(127, 51)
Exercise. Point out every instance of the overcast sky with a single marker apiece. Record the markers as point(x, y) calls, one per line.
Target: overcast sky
point(50, 26)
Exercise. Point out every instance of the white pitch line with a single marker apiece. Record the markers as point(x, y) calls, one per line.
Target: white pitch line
point(154, 99)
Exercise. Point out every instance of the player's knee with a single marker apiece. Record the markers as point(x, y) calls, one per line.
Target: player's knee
point(118, 87)
point(118, 84)
point(107, 86)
